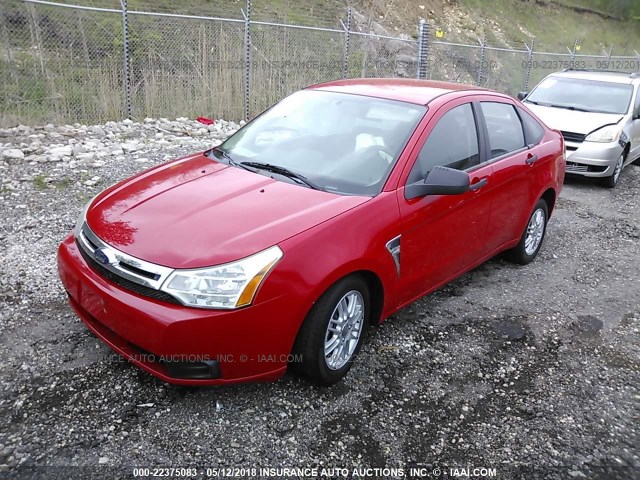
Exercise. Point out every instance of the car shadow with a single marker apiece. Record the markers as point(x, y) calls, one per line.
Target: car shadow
point(581, 180)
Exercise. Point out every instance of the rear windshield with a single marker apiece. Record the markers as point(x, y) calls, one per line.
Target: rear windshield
point(583, 95)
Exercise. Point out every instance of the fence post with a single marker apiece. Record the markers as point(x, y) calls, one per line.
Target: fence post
point(608, 54)
point(572, 62)
point(423, 48)
point(35, 38)
point(527, 76)
point(5, 39)
point(483, 42)
point(127, 67)
point(345, 58)
point(247, 59)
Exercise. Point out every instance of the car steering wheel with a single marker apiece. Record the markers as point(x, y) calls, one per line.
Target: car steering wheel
point(375, 152)
point(372, 161)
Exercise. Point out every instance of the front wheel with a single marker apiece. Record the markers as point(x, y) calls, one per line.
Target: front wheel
point(612, 180)
point(532, 237)
point(332, 333)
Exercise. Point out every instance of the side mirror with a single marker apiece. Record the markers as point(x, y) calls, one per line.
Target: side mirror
point(440, 181)
point(522, 95)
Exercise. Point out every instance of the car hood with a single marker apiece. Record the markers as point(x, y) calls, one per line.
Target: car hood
point(572, 120)
point(196, 212)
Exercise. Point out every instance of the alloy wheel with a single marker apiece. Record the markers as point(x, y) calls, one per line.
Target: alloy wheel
point(618, 169)
point(344, 330)
point(535, 232)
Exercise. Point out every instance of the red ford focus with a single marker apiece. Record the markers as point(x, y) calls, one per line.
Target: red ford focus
point(336, 207)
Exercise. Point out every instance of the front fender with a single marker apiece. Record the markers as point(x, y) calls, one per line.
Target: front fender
point(353, 241)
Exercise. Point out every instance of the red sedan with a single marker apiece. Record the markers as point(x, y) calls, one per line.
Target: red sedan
point(329, 212)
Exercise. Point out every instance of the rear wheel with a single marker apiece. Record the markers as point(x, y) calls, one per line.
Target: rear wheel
point(332, 333)
point(612, 180)
point(532, 237)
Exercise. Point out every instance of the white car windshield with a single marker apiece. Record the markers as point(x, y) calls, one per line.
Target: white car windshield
point(583, 95)
point(336, 142)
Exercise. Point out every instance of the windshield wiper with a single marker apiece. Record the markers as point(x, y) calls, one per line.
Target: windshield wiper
point(229, 160)
point(542, 104)
point(571, 107)
point(554, 105)
point(283, 171)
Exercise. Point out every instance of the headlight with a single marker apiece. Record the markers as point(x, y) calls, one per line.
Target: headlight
point(606, 134)
point(231, 285)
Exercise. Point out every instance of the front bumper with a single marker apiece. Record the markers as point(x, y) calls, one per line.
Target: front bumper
point(592, 159)
point(166, 340)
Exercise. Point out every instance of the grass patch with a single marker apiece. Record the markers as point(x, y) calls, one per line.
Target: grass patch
point(62, 184)
point(40, 182)
point(65, 66)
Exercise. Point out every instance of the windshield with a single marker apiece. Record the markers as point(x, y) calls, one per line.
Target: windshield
point(339, 142)
point(584, 95)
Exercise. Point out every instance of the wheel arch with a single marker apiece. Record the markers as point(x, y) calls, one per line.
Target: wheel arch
point(374, 284)
point(376, 293)
point(549, 196)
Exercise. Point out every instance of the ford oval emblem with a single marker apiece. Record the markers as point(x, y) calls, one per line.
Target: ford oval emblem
point(102, 256)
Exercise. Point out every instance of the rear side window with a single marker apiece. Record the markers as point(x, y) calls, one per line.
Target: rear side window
point(452, 143)
point(533, 131)
point(504, 128)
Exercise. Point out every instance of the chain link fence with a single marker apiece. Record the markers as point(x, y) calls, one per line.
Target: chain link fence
point(60, 66)
point(64, 63)
point(180, 66)
point(285, 59)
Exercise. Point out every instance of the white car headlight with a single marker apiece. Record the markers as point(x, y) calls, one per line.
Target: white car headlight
point(606, 134)
point(231, 285)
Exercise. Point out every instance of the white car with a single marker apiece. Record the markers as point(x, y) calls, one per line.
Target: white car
point(598, 113)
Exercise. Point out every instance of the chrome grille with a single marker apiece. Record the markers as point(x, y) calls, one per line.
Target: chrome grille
point(119, 263)
point(126, 284)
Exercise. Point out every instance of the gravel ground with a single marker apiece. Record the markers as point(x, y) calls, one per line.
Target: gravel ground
point(533, 371)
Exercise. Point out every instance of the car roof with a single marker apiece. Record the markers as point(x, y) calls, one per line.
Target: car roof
point(603, 76)
point(420, 92)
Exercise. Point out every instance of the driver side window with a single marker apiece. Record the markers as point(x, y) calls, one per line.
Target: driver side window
point(452, 143)
point(636, 108)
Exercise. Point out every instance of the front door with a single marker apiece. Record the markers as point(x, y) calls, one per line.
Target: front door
point(443, 235)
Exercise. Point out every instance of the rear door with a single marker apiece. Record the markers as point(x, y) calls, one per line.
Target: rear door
point(443, 235)
point(513, 161)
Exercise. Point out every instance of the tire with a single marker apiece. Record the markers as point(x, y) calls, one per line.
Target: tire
point(314, 336)
point(523, 253)
point(612, 180)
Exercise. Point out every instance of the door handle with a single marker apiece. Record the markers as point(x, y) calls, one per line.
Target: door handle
point(478, 185)
point(531, 159)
